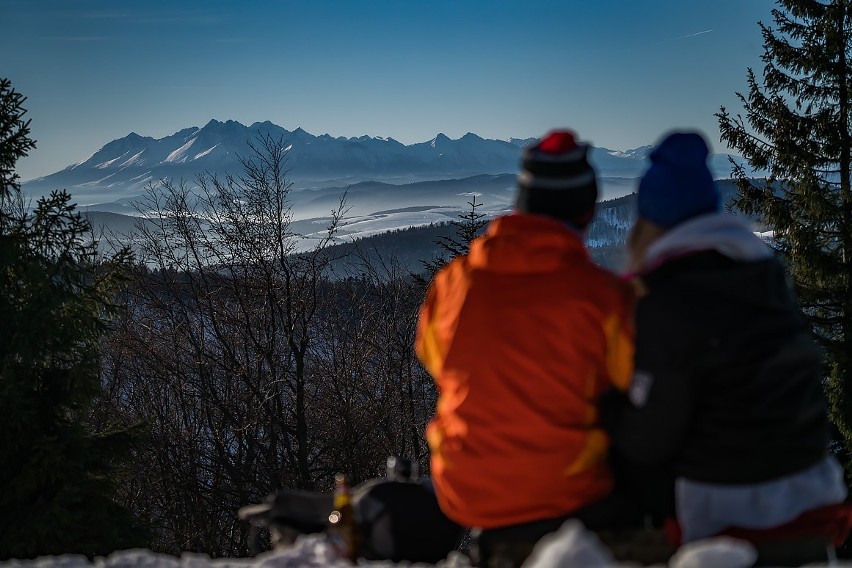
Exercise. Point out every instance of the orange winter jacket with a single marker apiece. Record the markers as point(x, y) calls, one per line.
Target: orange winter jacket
point(522, 336)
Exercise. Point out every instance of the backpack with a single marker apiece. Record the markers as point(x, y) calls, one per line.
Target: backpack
point(398, 517)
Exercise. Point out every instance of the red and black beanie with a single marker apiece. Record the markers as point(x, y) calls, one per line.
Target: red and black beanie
point(557, 180)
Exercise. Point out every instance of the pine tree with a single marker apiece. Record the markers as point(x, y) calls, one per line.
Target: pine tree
point(797, 129)
point(57, 476)
point(467, 229)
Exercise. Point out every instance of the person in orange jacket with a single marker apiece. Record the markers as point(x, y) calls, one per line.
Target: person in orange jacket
point(522, 336)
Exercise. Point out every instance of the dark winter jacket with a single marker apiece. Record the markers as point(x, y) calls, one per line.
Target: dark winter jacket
point(727, 386)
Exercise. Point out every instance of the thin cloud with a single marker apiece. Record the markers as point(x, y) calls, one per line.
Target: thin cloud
point(102, 14)
point(181, 17)
point(75, 38)
point(230, 40)
point(154, 17)
point(687, 36)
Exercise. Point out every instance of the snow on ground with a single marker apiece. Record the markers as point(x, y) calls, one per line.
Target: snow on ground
point(375, 224)
point(571, 547)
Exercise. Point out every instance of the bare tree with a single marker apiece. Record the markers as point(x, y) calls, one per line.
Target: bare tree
point(255, 366)
point(214, 350)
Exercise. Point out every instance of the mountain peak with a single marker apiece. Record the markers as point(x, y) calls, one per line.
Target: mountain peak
point(132, 138)
point(641, 152)
point(522, 142)
point(441, 138)
point(222, 128)
point(186, 132)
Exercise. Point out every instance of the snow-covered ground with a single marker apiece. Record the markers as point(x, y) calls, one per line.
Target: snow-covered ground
point(571, 547)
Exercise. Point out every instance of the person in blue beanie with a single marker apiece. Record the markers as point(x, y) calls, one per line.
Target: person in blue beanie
point(724, 426)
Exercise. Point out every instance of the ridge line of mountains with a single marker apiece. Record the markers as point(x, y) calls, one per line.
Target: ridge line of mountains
point(125, 166)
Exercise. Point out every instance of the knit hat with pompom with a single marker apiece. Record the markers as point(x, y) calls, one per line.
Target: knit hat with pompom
point(557, 180)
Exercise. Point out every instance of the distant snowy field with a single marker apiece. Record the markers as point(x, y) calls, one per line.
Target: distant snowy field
point(571, 547)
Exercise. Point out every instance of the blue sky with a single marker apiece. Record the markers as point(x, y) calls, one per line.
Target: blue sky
point(618, 72)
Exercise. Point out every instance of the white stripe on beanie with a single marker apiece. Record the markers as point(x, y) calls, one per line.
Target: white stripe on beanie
point(541, 182)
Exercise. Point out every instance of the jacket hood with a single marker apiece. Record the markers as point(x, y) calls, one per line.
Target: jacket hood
point(524, 244)
point(751, 276)
point(724, 233)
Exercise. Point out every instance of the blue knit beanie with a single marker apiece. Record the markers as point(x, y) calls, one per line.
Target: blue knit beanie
point(678, 185)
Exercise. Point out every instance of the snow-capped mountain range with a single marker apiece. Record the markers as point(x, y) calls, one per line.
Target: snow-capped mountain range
point(123, 167)
point(389, 185)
